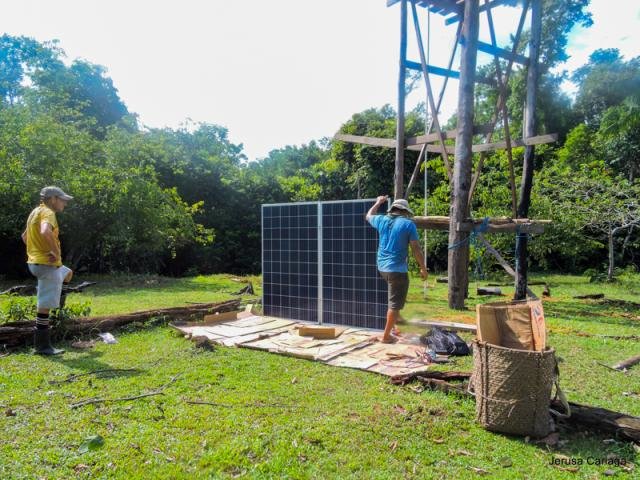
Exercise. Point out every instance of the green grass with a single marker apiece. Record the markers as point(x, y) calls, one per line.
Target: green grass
point(280, 417)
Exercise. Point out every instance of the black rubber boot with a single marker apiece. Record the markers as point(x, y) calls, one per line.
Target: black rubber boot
point(42, 342)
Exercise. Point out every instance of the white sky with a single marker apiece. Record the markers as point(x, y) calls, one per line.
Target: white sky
point(275, 73)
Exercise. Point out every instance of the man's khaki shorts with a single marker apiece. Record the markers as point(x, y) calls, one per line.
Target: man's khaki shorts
point(398, 287)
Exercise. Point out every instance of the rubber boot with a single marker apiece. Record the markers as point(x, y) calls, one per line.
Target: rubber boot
point(42, 342)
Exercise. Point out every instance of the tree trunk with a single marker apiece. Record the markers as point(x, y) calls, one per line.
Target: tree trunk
point(611, 259)
point(458, 258)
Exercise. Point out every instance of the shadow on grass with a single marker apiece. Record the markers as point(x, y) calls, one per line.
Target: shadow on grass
point(88, 362)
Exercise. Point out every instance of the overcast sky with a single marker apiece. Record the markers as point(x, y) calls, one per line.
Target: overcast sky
point(275, 73)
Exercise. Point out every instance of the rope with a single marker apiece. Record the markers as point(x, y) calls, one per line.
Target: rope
point(472, 239)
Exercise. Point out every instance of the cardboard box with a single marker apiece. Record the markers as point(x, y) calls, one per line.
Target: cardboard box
point(320, 332)
point(518, 325)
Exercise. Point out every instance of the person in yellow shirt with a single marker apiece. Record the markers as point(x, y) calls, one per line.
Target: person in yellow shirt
point(44, 259)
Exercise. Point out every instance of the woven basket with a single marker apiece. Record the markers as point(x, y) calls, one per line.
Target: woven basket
point(513, 389)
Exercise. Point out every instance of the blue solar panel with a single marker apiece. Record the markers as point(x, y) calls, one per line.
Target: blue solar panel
point(319, 264)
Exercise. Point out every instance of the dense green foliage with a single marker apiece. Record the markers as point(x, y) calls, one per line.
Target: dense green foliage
point(186, 201)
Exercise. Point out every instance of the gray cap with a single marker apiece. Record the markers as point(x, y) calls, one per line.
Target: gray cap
point(401, 204)
point(48, 192)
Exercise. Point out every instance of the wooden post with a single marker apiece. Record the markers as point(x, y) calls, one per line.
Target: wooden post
point(458, 241)
point(398, 177)
point(529, 128)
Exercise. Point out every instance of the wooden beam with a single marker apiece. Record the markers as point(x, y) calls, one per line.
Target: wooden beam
point(464, 327)
point(371, 141)
point(488, 147)
point(496, 224)
point(480, 147)
point(434, 137)
point(457, 18)
point(398, 178)
point(447, 72)
point(502, 53)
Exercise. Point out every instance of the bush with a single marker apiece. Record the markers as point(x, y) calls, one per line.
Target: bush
point(19, 309)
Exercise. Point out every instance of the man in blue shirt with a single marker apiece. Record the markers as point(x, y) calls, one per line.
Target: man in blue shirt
point(396, 232)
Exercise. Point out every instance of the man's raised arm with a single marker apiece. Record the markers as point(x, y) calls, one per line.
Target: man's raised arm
point(374, 209)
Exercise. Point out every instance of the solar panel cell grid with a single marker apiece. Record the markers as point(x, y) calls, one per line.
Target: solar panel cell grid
point(352, 293)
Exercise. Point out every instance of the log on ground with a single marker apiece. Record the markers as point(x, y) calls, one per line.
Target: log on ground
point(15, 334)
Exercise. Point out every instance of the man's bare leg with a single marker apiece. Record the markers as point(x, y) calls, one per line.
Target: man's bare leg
point(392, 318)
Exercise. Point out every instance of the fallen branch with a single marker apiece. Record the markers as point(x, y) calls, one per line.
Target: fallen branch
point(488, 291)
point(410, 377)
point(228, 405)
point(606, 421)
point(74, 377)
point(159, 391)
point(591, 296)
point(628, 363)
point(610, 368)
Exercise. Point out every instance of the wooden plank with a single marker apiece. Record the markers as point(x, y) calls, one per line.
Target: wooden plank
point(502, 53)
point(465, 327)
point(481, 147)
point(218, 318)
point(362, 140)
point(487, 147)
point(449, 134)
point(447, 72)
point(536, 228)
point(496, 224)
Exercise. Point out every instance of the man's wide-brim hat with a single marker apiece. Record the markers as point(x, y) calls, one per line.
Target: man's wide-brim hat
point(401, 204)
point(49, 192)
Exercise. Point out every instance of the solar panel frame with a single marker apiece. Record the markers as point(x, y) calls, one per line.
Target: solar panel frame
point(348, 288)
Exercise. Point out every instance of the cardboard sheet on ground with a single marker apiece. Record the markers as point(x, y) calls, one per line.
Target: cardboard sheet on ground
point(354, 348)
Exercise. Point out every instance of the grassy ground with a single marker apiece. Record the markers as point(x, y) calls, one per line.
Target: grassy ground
point(279, 417)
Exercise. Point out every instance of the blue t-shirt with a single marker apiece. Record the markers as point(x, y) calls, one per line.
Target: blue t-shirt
point(395, 232)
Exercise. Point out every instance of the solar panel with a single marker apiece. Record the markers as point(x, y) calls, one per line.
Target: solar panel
point(319, 264)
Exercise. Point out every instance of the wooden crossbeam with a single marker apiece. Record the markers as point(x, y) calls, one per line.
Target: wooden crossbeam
point(482, 8)
point(495, 225)
point(445, 72)
point(482, 147)
point(502, 53)
point(433, 137)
